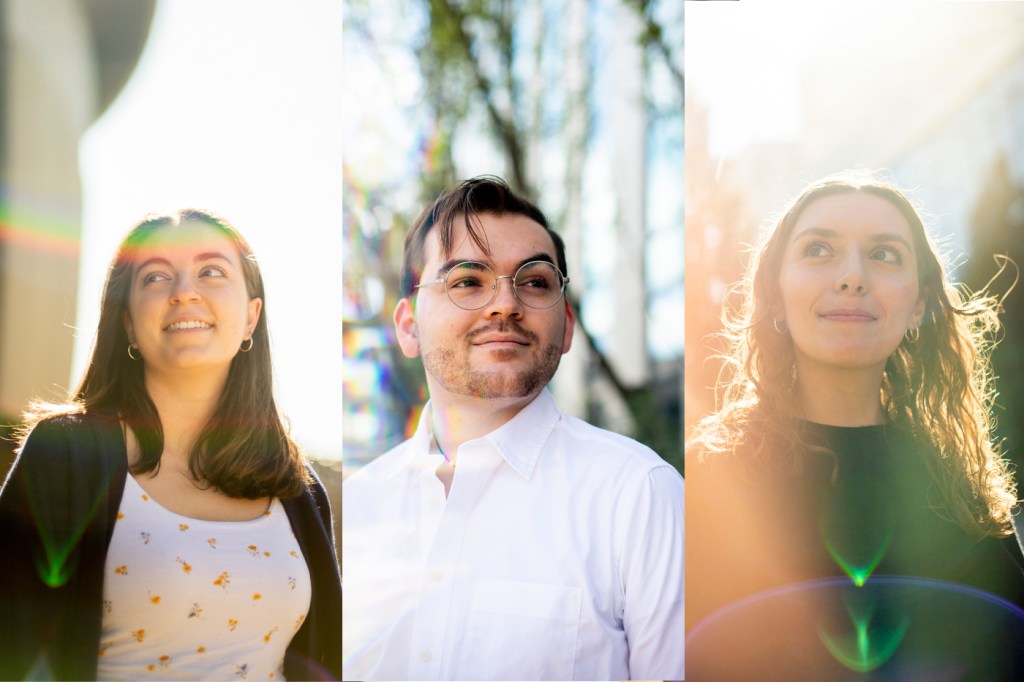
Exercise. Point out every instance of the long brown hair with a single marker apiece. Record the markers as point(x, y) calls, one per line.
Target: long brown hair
point(937, 388)
point(244, 450)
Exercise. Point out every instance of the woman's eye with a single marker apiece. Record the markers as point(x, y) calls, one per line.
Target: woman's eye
point(888, 254)
point(154, 277)
point(212, 271)
point(816, 250)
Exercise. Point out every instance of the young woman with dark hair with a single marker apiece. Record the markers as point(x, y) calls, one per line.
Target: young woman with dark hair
point(853, 450)
point(162, 523)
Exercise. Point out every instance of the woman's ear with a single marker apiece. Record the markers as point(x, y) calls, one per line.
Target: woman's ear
point(255, 308)
point(129, 328)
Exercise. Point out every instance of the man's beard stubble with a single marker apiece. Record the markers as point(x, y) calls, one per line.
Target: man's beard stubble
point(454, 374)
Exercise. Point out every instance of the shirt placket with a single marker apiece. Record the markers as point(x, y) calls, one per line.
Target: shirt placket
point(438, 573)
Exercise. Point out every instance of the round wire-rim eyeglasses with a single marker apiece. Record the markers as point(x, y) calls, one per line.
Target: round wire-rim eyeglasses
point(537, 284)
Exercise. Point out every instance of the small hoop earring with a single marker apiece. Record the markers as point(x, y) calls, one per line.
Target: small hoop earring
point(782, 329)
point(912, 335)
point(245, 349)
point(133, 357)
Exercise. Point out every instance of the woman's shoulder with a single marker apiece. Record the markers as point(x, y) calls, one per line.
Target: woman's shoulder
point(57, 441)
point(70, 426)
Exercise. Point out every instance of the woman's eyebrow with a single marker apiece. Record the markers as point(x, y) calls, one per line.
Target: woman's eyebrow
point(832, 234)
point(816, 231)
point(891, 237)
point(210, 255)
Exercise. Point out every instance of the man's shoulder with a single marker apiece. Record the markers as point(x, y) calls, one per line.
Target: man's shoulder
point(603, 447)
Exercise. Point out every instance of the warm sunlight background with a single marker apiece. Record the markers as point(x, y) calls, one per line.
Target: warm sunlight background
point(236, 105)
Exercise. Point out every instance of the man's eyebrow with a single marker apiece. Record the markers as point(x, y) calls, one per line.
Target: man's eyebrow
point(539, 256)
point(454, 262)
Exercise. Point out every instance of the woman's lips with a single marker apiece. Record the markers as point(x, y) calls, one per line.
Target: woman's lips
point(848, 316)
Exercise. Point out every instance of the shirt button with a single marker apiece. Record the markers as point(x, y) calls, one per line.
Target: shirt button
point(434, 503)
point(436, 576)
point(425, 656)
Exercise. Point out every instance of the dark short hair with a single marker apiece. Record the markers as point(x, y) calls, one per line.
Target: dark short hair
point(468, 199)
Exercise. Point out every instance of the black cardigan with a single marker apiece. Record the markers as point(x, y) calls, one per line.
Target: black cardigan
point(58, 507)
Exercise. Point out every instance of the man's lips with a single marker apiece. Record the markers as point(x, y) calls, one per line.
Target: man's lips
point(500, 340)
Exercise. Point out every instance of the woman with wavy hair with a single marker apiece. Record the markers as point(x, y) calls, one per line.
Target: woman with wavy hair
point(854, 441)
point(162, 524)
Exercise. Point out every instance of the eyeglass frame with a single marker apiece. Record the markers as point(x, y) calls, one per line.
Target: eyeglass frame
point(494, 287)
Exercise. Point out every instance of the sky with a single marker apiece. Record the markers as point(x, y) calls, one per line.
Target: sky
point(236, 106)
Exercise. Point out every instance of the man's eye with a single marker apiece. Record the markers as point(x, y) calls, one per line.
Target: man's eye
point(464, 282)
point(535, 282)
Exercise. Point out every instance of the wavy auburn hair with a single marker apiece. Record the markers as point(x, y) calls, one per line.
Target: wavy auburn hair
point(937, 388)
point(244, 450)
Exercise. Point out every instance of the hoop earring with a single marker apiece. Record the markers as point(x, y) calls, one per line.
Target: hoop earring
point(133, 357)
point(780, 328)
point(912, 335)
point(243, 347)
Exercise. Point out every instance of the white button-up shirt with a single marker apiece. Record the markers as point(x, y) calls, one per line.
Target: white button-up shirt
point(558, 555)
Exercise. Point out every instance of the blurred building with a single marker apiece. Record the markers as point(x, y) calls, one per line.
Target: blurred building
point(64, 62)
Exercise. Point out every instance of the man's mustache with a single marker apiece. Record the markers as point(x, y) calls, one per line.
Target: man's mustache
point(503, 327)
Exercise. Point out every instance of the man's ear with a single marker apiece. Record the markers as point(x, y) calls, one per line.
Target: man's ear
point(405, 328)
point(570, 327)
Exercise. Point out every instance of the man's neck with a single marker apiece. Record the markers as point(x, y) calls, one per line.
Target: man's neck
point(458, 419)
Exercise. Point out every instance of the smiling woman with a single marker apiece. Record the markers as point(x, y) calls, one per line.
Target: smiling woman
point(165, 479)
point(854, 440)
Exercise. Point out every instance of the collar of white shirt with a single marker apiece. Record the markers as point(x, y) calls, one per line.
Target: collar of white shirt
point(518, 442)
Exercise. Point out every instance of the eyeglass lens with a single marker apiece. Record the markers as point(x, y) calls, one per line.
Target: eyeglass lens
point(473, 285)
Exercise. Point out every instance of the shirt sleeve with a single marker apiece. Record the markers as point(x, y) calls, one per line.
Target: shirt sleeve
point(652, 578)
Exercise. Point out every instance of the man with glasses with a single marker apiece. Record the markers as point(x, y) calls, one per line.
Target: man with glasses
point(505, 540)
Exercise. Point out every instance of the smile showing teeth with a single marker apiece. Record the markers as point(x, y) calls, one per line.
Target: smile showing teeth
point(191, 324)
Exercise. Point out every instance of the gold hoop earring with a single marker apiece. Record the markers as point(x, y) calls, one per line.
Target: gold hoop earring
point(133, 357)
point(780, 326)
point(243, 348)
point(912, 335)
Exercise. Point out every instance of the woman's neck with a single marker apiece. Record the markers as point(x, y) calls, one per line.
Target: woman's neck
point(185, 404)
point(839, 397)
